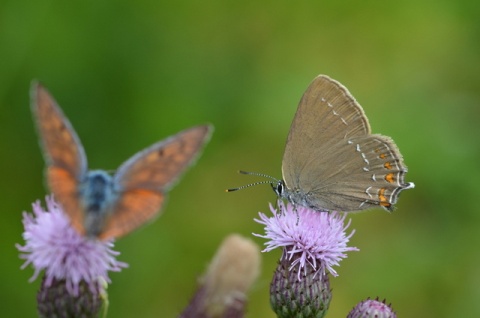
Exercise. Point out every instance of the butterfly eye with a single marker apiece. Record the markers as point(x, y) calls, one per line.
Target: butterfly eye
point(278, 187)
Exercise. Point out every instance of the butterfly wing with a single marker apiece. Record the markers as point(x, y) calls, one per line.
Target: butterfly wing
point(63, 152)
point(143, 179)
point(326, 114)
point(368, 172)
point(332, 159)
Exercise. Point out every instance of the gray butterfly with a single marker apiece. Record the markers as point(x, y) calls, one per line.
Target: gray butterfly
point(332, 161)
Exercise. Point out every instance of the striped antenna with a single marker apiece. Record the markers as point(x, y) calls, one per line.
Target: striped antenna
point(255, 183)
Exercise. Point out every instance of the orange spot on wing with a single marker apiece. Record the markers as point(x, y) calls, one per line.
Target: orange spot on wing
point(390, 177)
point(387, 165)
point(383, 199)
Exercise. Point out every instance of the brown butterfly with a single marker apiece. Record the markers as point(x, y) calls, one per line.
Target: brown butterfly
point(98, 204)
point(332, 161)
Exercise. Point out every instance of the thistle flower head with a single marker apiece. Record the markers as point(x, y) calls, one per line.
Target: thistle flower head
point(310, 238)
point(51, 244)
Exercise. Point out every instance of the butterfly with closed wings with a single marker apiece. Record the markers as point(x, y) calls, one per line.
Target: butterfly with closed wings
point(332, 161)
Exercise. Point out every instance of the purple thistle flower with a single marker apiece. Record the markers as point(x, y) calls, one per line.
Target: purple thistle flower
point(309, 238)
point(54, 246)
point(372, 308)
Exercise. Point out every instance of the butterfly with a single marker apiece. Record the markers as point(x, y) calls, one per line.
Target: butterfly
point(98, 204)
point(332, 161)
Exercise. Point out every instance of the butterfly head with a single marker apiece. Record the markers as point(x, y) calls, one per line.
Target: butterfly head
point(279, 188)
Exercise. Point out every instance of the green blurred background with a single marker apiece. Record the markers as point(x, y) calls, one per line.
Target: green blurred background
point(130, 73)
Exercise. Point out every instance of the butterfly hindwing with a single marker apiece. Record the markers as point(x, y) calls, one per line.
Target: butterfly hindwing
point(65, 190)
point(132, 209)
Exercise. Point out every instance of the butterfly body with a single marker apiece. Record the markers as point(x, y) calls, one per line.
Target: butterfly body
point(96, 195)
point(296, 196)
point(100, 205)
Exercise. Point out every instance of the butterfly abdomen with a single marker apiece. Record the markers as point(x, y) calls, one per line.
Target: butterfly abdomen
point(97, 197)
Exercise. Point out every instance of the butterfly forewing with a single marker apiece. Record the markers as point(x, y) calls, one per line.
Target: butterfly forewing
point(61, 145)
point(63, 152)
point(143, 179)
point(159, 166)
point(326, 114)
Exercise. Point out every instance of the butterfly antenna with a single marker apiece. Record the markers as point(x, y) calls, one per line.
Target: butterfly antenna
point(255, 183)
point(248, 186)
point(258, 174)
